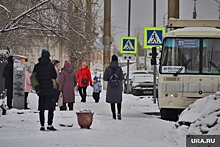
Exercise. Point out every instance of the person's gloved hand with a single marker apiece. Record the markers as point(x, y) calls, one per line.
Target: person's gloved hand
point(91, 85)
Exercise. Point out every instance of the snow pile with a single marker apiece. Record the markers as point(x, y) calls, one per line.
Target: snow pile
point(201, 117)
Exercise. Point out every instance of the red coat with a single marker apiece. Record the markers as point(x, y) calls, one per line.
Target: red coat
point(84, 73)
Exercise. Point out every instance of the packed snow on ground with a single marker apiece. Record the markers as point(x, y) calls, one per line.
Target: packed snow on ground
point(138, 127)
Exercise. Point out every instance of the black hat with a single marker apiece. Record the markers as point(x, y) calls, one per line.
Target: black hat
point(45, 54)
point(55, 61)
point(114, 58)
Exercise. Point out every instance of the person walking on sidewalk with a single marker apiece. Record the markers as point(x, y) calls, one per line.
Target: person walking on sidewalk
point(114, 91)
point(67, 83)
point(84, 79)
point(45, 73)
point(56, 81)
point(97, 88)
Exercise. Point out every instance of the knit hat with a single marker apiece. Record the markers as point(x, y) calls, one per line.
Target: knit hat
point(95, 78)
point(43, 50)
point(114, 58)
point(67, 64)
point(45, 54)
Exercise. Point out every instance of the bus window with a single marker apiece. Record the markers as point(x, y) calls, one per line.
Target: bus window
point(211, 60)
point(177, 52)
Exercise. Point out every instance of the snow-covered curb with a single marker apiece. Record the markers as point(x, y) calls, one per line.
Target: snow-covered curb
point(201, 117)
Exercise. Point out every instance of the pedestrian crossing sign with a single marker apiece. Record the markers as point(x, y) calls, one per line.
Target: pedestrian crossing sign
point(128, 45)
point(153, 36)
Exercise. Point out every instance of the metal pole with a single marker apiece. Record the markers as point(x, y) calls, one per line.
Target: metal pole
point(164, 21)
point(129, 16)
point(154, 9)
point(219, 11)
point(194, 10)
point(129, 19)
point(218, 8)
point(155, 67)
point(107, 35)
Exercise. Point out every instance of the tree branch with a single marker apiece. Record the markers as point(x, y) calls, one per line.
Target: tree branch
point(4, 8)
point(22, 15)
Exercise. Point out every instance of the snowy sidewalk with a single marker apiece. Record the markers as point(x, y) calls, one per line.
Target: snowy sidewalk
point(136, 129)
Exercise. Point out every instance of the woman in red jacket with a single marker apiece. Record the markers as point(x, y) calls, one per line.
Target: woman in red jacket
point(84, 80)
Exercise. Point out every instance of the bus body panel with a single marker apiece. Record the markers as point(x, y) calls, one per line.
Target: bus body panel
point(179, 92)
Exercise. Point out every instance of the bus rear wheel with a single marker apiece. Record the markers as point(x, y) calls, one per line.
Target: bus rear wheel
point(169, 114)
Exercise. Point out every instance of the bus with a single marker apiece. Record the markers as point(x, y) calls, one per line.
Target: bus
point(189, 68)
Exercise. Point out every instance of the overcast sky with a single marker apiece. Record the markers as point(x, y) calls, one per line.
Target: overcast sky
point(142, 14)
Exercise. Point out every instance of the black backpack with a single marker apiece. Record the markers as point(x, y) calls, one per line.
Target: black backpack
point(114, 79)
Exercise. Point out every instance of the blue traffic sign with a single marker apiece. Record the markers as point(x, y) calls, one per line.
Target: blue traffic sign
point(153, 36)
point(128, 45)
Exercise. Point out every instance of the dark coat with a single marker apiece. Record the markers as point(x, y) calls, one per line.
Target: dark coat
point(67, 83)
point(84, 73)
point(45, 73)
point(8, 73)
point(113, 94)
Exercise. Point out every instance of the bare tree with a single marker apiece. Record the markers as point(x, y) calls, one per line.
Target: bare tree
point(67, 23)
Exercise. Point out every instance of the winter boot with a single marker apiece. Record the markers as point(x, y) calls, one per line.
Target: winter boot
point(113, 115)
point(119, 116)
point(51, 128)
point(42, 128)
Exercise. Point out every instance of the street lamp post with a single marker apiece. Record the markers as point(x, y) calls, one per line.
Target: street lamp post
point(194, 10)
point(164, 21)
point(218, 8)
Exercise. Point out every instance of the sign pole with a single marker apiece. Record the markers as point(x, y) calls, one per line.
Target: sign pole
point(129, 18)
point(154, 51)
point(155, 84)
point(153, 37)
point(128, 77)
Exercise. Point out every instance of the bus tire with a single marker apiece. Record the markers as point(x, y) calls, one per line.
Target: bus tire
point(169, 114)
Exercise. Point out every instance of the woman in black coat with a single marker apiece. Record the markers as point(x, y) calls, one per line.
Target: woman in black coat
point(45, 73)
point(8, 75)
point(114, 94)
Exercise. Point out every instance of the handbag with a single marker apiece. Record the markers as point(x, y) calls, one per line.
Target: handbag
point(84, 81)
point(60, 100)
